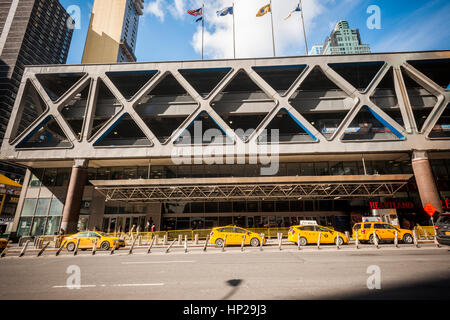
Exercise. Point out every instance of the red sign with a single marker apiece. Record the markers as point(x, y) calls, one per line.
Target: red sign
point(430, 209)
point(445, 204)
point(391, 205)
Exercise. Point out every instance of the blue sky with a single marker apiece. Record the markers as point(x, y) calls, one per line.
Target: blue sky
point(166, 32)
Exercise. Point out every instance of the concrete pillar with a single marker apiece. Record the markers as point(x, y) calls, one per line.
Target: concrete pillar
point(74, 196)
point(425, 180)
point(23, 193)
point(97, 210)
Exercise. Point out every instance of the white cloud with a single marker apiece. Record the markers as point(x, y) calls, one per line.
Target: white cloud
point(156, 8)
point(178, 9)
point(253, 34)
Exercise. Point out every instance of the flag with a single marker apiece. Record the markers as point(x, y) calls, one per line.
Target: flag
point(225, 11)
point(197, 12)
point(199, 19)
point(297, 9)
point(263, 10)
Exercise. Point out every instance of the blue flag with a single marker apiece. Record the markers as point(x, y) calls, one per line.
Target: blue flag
point(297, 9)
point(225, 11)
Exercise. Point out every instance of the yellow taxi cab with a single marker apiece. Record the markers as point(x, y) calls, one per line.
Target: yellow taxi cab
point(234, 236)
point(87, 240)
point(310, 234)
point(3, 244)
point(383, 230)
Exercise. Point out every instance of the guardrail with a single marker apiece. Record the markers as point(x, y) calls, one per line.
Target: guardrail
point(426, 232)
point(145, 238)
point(191, 234)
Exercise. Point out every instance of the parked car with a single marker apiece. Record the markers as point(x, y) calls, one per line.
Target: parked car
point(383, 230)
point(234, 236)
point(87, 240)
point(310, 234)
point(442, 227)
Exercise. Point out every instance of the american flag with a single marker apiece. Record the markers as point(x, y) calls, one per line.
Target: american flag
point(197, 12)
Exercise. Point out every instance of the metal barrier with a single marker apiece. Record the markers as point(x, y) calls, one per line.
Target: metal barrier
point(194, 234)
point(425, 231)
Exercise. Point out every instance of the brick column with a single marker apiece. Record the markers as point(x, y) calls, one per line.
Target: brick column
point(74, 196)
point(425, 180)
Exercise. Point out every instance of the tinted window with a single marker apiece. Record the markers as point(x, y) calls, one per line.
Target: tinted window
point(388, 226)
point(444, 219)
point(83, 235)
point(93, 234)
point(378, 226)
point(357, 227)
point(367, 225)
point(238, 230)
point(307, 228)
point(321, 229)
point(226, 230)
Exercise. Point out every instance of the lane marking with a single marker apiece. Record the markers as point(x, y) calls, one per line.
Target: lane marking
point(158, 262)
point(137, 284)
point(112, 285)
point(73, 286)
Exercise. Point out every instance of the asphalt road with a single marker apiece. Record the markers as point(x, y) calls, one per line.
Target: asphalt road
point(328, 273)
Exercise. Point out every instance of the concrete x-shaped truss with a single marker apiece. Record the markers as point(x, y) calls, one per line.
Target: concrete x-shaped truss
point(84, 147)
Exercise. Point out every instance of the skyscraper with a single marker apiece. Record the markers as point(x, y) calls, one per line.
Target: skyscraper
point(344, 40)
point(315, 50)
point(112, 31)
point(32, 32)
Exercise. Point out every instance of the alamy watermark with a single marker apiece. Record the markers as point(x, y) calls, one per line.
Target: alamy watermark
point(217, 147)
point(74, 279)
point(374, 280)
point(374, 20)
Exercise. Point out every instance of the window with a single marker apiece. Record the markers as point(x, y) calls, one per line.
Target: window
point(378, 226)
point(42, 207)
point(367, 225)
point(307, 228)
point(239, 230)
point(28, 207)
point(56, 207)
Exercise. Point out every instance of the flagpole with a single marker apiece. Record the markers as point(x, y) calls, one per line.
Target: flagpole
point(234, 37)
point(203, 25)
point(271, 19)
point(303, 22)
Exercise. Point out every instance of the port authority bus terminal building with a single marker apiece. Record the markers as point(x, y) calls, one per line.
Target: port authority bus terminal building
point(192, 144)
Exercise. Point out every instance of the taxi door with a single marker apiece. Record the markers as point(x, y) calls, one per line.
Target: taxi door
point(389, 231)
point(326, 235)
point(229, 232)
point(84, 242)
point(310, 233)
point(238, 235)
point(380, 230)
point(92, 237)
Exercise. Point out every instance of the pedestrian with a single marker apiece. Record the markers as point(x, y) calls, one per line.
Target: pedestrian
point(153, 227)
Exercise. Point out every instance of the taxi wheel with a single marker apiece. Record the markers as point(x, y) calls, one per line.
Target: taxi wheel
point(254, 242)
point(341, 241)
point(303, 241)
point(219, 243)
point(408, 239)
point(70, 246)
point(371, 239)
point(105, 245)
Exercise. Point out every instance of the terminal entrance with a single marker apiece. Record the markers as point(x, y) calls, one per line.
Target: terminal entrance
point(124, 223)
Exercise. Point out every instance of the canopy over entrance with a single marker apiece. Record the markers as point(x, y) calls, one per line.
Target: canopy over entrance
point(252, 188)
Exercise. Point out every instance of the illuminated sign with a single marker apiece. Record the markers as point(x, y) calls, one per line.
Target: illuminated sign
point(391, 205)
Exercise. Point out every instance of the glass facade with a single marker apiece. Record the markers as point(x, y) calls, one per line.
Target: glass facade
point(250, 170)
point(40, 216)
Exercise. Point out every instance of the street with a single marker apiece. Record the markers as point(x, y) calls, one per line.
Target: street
point(406, 273)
